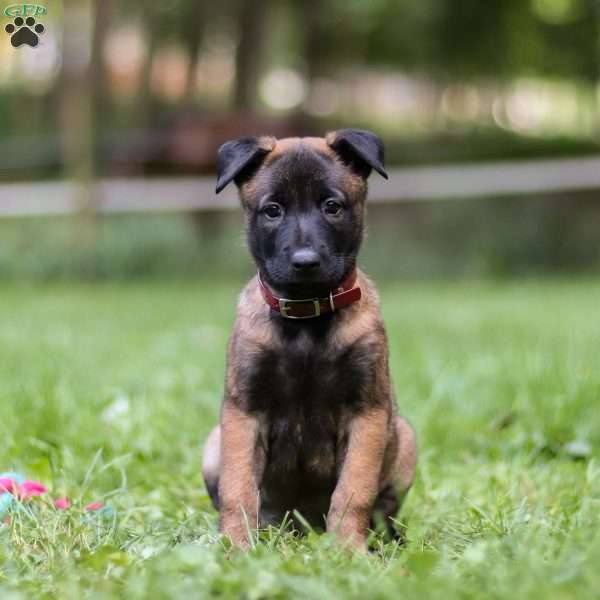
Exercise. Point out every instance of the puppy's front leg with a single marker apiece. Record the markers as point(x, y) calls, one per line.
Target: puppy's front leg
point(240, 470)
point(357, 487)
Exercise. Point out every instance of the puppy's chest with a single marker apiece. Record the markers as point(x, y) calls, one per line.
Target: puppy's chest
point(306, 394)
point(304, 443)
point(308, 379)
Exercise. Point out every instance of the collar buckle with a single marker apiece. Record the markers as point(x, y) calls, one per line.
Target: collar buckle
point(284, 308)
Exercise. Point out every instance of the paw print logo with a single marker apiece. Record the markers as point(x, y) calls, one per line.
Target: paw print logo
point(24, 32)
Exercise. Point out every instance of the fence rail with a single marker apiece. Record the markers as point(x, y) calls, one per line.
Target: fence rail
point(183, 194)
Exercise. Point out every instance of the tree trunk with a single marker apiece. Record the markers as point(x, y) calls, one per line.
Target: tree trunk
point(192, 31)
point(98, 84)
point(248, 56)
point(81, 92)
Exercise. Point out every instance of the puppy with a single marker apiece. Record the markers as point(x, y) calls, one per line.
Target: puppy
point(309, 420)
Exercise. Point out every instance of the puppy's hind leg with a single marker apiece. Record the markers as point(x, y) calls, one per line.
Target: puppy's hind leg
point(406, 458)
point(211, 461)
point(392, 495)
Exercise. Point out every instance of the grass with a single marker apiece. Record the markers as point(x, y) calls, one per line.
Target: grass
point(107, 392)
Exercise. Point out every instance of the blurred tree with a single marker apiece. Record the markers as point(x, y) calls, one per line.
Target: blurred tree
point(192, 25)
point(81, 86)
point(101, 21)
point(81, 89)
point(251, 20)
point(317, 48)
point(456, 38)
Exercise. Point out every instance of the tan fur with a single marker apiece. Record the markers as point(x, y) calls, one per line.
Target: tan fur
point(355, 187)
point(287, 144)
point(362, 318)
point(358, 483)
point(238, 485)
point(405, 465)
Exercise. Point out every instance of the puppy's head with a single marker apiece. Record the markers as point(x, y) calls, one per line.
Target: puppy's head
point(304, 204)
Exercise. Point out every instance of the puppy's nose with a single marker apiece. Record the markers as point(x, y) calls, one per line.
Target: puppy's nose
point(305, 259)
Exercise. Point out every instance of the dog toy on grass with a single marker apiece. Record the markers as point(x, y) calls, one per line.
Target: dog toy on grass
point(15, 488)
point(7, 483)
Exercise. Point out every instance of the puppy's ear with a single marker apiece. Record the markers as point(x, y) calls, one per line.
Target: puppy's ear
point(237, 157)
point(360, 149)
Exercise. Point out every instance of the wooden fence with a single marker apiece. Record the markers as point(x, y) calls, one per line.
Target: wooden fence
point(184, 194)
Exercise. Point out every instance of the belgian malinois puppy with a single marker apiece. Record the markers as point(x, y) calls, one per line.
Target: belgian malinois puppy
point(309, 420)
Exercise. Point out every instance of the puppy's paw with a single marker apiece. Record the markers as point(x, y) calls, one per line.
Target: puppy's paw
point(238, 535)
point(240, 544)
point(355, 542)
point(348, 532)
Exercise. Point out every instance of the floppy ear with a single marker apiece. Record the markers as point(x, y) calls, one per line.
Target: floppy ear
point(360, 149)
point(238, 156)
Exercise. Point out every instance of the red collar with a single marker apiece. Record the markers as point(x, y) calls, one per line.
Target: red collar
point(308, 308)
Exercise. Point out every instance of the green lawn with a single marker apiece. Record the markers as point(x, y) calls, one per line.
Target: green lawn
point(108, 391)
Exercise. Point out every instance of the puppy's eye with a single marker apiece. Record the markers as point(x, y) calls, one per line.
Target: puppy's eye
point(332, 207)
point(273, 211)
